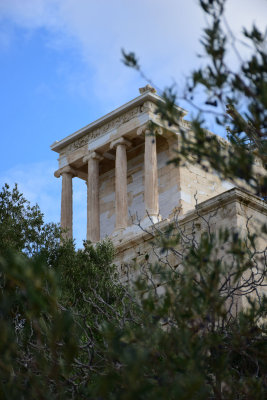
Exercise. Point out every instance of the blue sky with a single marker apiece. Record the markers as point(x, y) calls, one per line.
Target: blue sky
point(61, 69)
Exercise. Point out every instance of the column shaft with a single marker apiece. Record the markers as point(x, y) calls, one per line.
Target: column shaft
point(151, 176)
point(121, 205)
point(66, 204)
point(93, 207)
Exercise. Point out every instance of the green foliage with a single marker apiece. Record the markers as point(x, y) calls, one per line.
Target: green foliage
point(70, 329)
point(235, 96)
point(53, 300)
point(203, 327)
point(21, 225)
point(37, 340)
point(130, 60)
point(226, 90)
point(87, 268)
point(91, 289)
point(190, 342)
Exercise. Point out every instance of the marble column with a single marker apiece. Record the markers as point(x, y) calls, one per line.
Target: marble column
point(93, 206)
point(151, 170)
point(67, 174)
point(121, 203)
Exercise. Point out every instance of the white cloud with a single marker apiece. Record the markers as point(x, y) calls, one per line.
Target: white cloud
point(31, 14)
point(165, 35)
point(159, 33)
point(242, 13)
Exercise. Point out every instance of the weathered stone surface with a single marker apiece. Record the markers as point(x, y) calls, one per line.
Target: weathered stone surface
point(235, 210)
point(93, 218)
point(67, 174)
point(121, 202)
point(128, 173)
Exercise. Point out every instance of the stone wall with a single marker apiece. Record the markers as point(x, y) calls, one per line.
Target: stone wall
point(178, 189)
point(177, 186)
point(236, 210)
point(168, 183)
point(199, 185)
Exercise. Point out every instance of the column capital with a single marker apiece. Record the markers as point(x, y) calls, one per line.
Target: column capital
point(92, 156)
point(149, 128)
point(119, 141)
point(65, 170)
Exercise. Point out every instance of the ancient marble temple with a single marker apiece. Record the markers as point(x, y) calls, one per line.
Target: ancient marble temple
point(129, 180)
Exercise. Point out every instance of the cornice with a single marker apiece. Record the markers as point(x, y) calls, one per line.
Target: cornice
point(107, 122)
point(235, 194)
point(219, 201)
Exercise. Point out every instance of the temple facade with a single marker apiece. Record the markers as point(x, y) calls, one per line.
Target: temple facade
point(130, 185)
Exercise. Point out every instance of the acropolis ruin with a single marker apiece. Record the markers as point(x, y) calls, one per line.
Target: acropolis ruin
point(130, 183)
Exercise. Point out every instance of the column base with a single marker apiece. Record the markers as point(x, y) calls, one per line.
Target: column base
point(149, 220)
point(118, 232)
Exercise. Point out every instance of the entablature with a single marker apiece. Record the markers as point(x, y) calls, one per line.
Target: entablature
point(119, 122)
